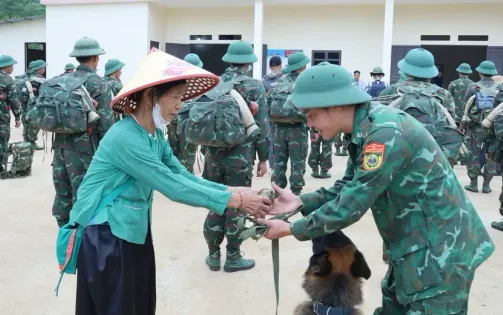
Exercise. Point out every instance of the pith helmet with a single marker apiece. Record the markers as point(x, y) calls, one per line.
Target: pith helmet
point(296, 61)
point(464, 68)
point(377, 70)
point(37, 65)
point(487, 67)
point(194, 59)
point(419, 63)
point(326, 85)
point(113, 65)
point(6, 61)
point(158, 68)
point(85, 47)
point(69, 66)
point(240, 52)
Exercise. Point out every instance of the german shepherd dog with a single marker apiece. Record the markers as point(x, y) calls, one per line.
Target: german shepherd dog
point(333, 279)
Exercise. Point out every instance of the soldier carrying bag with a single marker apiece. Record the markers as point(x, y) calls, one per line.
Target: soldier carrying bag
point(22, 153)
point(277, 97)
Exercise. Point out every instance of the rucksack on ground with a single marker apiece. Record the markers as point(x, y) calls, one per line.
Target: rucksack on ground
point(63, 106)
point(22, 159)
point(219, 118)
point(277, 98)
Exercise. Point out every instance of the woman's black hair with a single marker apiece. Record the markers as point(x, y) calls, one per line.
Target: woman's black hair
point(165, 87)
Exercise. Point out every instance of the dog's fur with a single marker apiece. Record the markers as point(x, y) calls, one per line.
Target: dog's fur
point(333, 278)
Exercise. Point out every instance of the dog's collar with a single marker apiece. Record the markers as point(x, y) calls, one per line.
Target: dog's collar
point(321, 309)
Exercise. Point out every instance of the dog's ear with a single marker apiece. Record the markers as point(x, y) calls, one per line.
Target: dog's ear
point(319, 264)
point(359, 267)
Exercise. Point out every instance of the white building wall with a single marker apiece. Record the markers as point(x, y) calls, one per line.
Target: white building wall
point(157, 24)
point(14, 36)
point(121, 30)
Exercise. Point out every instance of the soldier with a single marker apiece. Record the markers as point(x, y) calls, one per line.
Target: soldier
point(486, 98)
point(435, 237)
point(375, 87)
point(291, 132)
point(73, 152)
point(458, 89)
point(113, 72)
point(35, 77)
point(234, 166)
point(69, 68)
point(320, 163)
point(391, 88)
point(8, 100)
point(341, 143)
point(182, 149)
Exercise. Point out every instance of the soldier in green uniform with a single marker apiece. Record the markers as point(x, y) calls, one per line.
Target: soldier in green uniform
point(73, 152)
point(320, 162)
point(340, 144)
point(458, 89)
point(113, 72)
point(391, 88)
point(434, 235)
point(488, 94)
point(69, 68)
point(182, 149)
point(234, 166)
point(290, 130)
point(8, 102)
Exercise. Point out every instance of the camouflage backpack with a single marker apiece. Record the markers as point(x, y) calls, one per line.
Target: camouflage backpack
point(63, 106)
point(214, 119)
point(277, 98)
point(422, 104)
point(22, 153)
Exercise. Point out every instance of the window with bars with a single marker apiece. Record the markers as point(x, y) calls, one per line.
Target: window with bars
point(332, 56)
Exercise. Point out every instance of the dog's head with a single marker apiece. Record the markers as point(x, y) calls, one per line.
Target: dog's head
point(342, 260)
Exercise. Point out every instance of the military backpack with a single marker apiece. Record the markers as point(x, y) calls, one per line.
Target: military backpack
point(63, 106)
point(484, 102)
point(277, 97)
point(22, 159)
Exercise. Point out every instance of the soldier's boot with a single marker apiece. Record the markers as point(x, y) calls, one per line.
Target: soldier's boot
point(497, 225)
point(325, 174)
point(473, 185)
point(36, 146)
point(213, 260)
point(485, 185)
point(316, 172)
point(235, 262)
point(337, 151)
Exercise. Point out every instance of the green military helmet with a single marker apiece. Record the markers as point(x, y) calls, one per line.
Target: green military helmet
point(86, 47)
point(240, 52)
point(377, 70)
point(419, 63)
point(487, 67)
point(69, 66)
point(113, 65)
point(194, 59)
point(6, 61)
point(37, 65)
point(464, 68)
point(296, 61)
point(326, 85)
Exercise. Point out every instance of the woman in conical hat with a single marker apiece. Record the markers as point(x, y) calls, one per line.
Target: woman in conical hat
point(116, 266)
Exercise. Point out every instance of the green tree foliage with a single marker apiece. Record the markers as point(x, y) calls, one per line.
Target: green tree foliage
point(20, 8)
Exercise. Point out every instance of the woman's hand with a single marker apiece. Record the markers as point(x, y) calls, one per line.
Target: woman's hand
point(287, 202)
point(251, 203)
point(245, 190)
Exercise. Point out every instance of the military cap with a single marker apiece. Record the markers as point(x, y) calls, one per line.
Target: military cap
point(326, 85)
point(6, 61)
point(296, 61)
point(419, 63)
point(194, 59)
point(86, 47)
point(37, 65)
point(377, 70)
point(113, 65)
point(69, 66)
point(240, 52)
point(487, 67)
point(464, 68)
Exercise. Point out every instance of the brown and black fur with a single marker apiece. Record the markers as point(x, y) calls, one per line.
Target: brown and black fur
point(334, 278)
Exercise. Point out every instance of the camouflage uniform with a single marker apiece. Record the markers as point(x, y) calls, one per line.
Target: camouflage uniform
point(8, 100)
point(234, 167)
point(73, 153)
point(341, 143)
point(321, 160)
point(458, 88)
point(115, 85)
point(182, 149)
point(494, 144)
point(268, 80)
point(30, 132)
point(475, 138)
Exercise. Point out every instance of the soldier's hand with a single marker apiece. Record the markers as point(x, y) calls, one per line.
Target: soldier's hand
point(262, 168)
point(277, 229)
point(287, 202)
point(17, 124)
point(253, 108)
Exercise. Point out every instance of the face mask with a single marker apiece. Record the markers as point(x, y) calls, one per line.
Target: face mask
point(158, 120)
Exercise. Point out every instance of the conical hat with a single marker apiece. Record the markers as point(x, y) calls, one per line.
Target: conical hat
point(158, 68)
point(498, 79)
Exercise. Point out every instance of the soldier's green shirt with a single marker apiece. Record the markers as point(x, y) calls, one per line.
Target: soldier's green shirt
point(472, 90)
point(100, 92)
point(115, 85)
point(8, 97)
point(458, 88)
point(243, 155)
point(432, 231)
point(36, 80)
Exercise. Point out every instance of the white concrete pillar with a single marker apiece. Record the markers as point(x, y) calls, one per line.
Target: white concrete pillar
point(389, 9)
point(258, 33)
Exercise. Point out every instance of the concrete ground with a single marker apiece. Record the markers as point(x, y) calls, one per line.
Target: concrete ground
point(29, 272)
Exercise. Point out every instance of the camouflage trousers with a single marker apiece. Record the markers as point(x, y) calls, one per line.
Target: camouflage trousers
point(323, 159)
point(30, 132)
point(4, 145)
point(340, 142)
point(452, 302)
point(474, 140)
point(216, 227)
point(272, 161)
point(68, 170)
point(184, 151)
point(290, 141)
